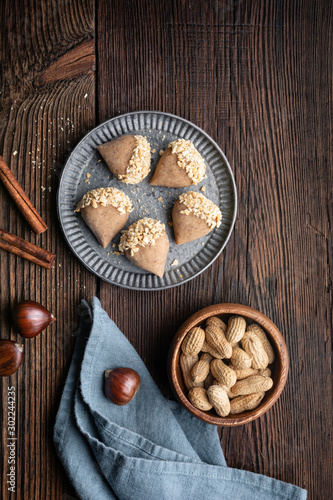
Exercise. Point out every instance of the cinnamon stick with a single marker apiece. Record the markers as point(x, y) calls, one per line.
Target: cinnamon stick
point(20, 198)
point(14, 244)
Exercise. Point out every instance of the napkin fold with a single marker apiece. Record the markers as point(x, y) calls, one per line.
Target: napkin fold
point(150, 449)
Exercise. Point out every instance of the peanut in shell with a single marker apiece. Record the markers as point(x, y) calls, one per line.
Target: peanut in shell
point(223, 373)
point(198, 398)
point(186, 365)
point(216, 339)
point(253, 346)
point(219, 399)
point(256, 383)
point(236, 329)
point(254, 328)
point(207, 348)
point(244, 403)
point(215, 321)
point(245, 372)
point(193, 341)
point(201, 369)
point(240, 359)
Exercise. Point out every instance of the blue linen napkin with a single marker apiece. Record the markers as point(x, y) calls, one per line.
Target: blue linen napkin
point(150, 449)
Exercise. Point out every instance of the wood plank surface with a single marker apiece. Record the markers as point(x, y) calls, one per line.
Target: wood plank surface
point(257, 77)
point(39, 127)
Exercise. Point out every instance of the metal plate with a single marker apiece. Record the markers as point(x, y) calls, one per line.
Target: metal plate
point(149, 201)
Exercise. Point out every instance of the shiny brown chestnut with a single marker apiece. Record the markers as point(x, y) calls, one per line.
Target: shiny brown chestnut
point(121, 385)
point(30, 318)
point(11, 355)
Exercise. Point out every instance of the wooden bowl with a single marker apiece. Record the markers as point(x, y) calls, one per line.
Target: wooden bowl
point(279, 367)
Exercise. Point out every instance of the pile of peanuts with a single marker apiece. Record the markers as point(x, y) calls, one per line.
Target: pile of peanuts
point(240, 381)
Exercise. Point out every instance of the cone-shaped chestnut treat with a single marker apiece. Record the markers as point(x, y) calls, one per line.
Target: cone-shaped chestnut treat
point(194, 216)
point(146, 244)
point(128, 157)
point(180, 165)
point(105, 211)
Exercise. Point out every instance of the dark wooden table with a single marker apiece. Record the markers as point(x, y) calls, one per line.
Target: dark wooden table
point(257, 77)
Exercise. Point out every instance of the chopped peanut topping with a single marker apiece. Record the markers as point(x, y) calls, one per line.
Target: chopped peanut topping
point(142, 233)
point(189, 159)
point(106, 196)
point(139, 164)
point(199, 205)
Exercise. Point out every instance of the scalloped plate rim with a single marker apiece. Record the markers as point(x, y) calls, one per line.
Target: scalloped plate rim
point(201, 131)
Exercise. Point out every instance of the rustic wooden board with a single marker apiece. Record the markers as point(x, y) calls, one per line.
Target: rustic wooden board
point(257, 77)
point(42, 123)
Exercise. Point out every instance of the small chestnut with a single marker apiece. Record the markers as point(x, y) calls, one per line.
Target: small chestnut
point(11, 355)
point(30, 318)
point(121, 385)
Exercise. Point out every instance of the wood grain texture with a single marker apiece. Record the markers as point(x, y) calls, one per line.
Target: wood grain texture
point(78, 61)
point(257, 77)
point(41, 126)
